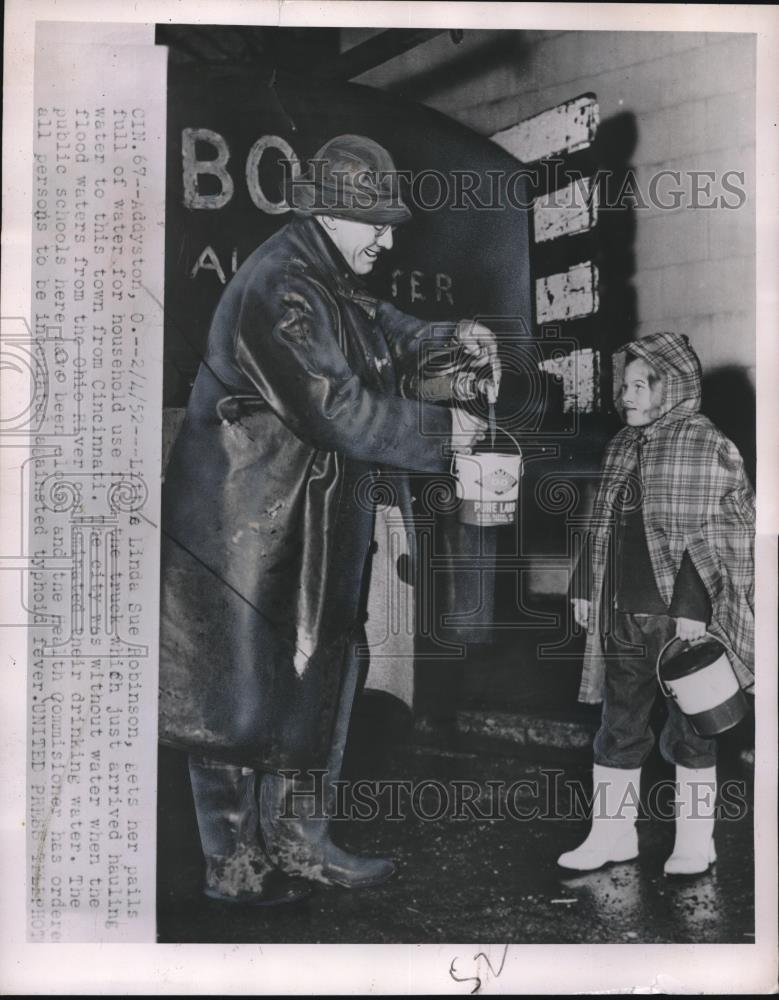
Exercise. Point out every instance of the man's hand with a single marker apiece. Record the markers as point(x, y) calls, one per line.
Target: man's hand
point(467, 430)
point(482, 345)
point(581, 611)
point(688, 630)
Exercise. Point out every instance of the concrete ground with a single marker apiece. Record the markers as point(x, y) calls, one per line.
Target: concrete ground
point(483, 877)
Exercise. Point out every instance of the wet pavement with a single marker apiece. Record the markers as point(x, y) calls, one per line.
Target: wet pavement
point(477, 872)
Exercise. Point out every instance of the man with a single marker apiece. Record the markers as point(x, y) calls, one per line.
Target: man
point(267, 532)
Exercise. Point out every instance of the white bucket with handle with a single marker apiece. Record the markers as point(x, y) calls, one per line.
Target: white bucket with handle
point(700, 678)
point(487, 485)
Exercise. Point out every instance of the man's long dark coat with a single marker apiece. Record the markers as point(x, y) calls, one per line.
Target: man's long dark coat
point(267, 519)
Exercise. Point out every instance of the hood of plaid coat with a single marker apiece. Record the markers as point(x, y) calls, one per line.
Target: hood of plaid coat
point(694, 495)
point(672, 357)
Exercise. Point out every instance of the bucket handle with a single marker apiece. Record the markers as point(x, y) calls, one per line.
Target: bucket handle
point(668, 693)
point(513, 439)
point(503, 431)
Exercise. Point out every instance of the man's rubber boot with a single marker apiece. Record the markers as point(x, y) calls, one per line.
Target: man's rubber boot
point(238, 869)
point(295, 823)
point(295, 827)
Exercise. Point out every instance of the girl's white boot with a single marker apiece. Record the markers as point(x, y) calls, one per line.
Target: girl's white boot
point(694, 844)
point(612, 837)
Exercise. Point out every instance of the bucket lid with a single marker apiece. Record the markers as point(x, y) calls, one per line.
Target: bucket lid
point(691, 657)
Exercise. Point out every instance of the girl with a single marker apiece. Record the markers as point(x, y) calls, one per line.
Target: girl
point(671, 554)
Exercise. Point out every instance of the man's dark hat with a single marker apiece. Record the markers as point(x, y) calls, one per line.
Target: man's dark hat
point(350, 177)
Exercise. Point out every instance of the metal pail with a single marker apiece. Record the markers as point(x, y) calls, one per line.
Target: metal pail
point(700, 678)
point(487, 485)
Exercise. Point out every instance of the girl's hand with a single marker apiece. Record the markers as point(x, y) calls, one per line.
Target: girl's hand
point(581, 611)
point(690, 631)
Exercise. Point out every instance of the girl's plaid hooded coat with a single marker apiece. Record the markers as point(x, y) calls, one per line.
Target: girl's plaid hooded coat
point(695, 496)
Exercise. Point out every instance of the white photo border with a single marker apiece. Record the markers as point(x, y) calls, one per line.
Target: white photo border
point(325, 969)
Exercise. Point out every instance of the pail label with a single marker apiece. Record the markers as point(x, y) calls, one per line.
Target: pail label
point(706, 688)
point(488, 486)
